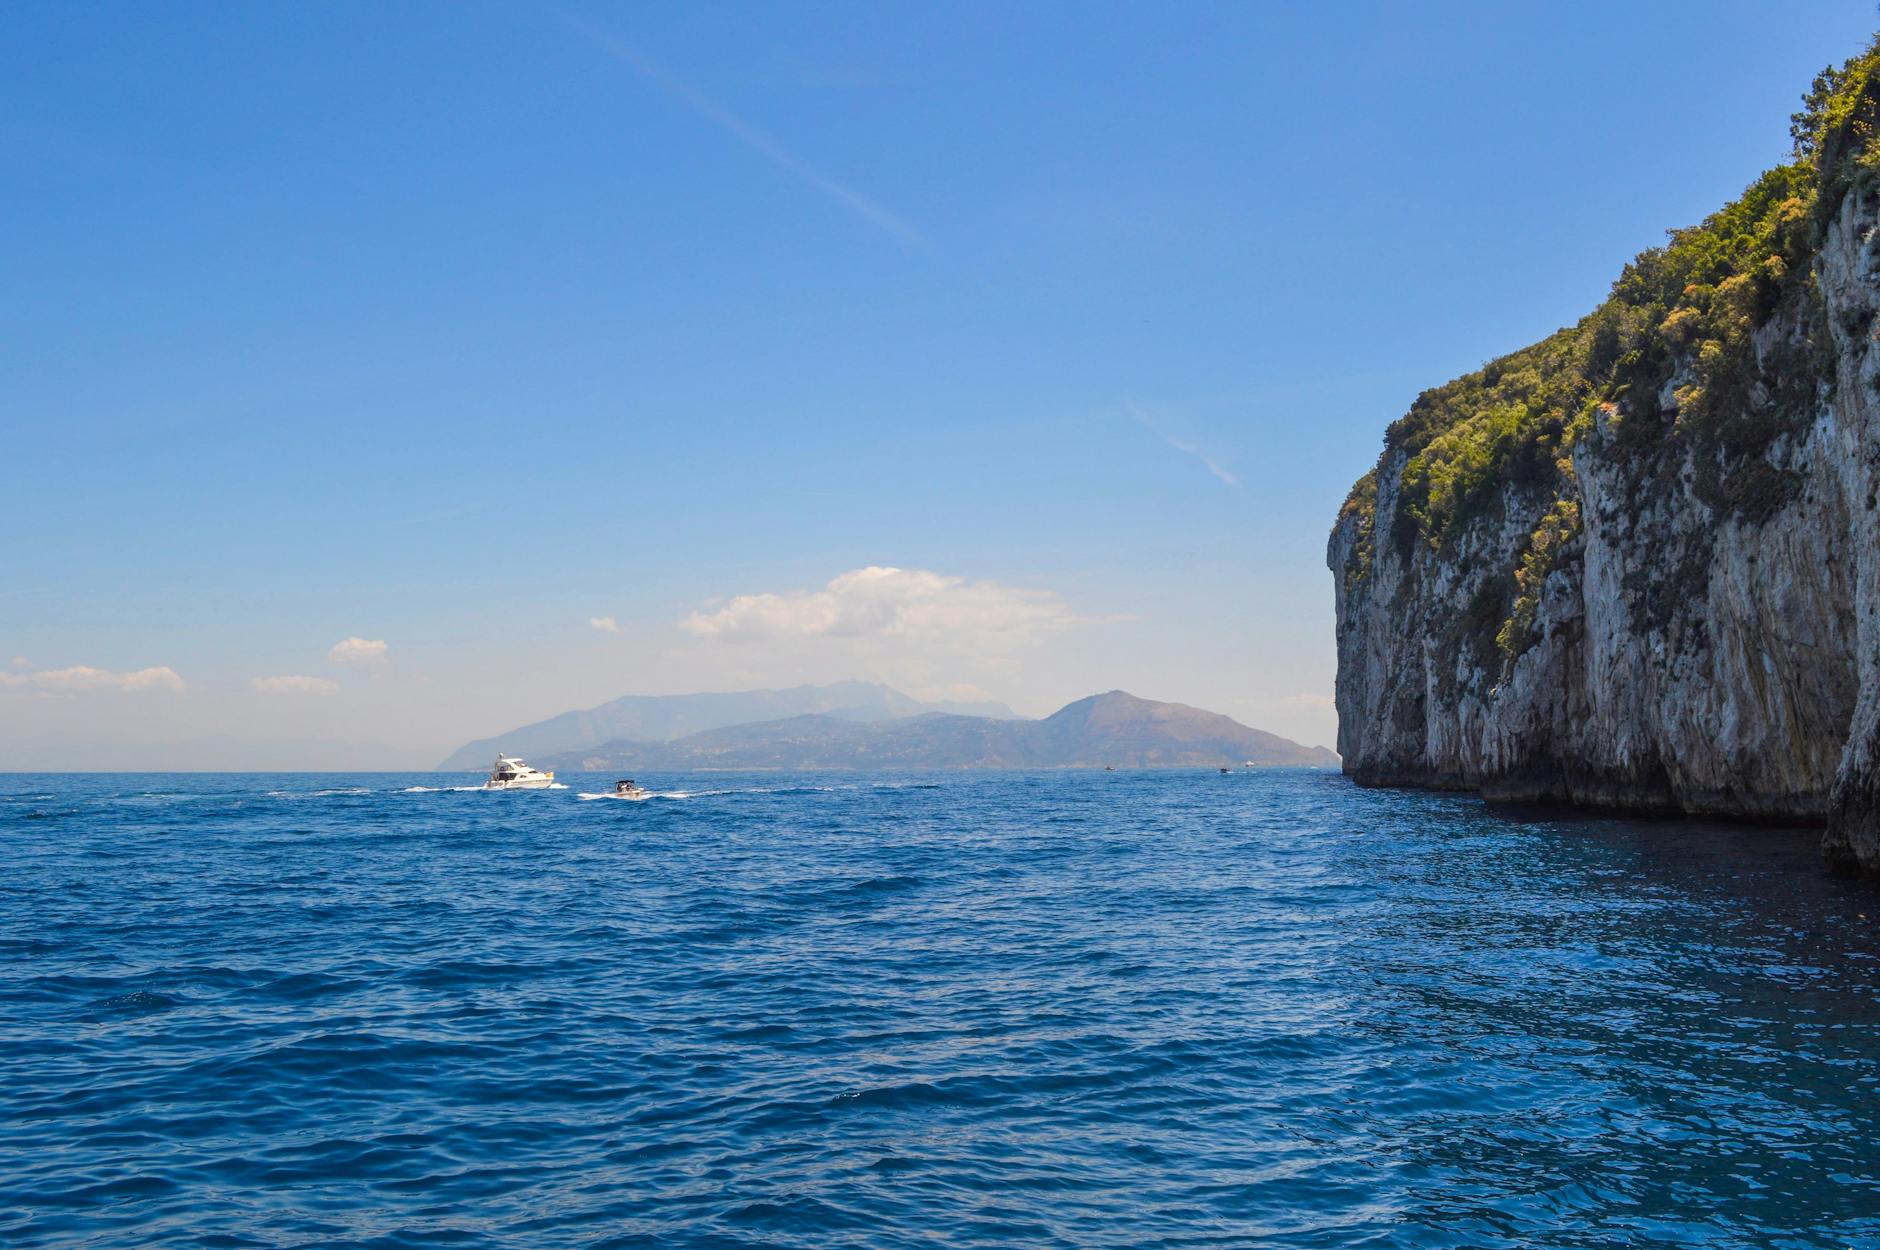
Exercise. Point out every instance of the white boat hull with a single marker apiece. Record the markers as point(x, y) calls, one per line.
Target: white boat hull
point(511, 773)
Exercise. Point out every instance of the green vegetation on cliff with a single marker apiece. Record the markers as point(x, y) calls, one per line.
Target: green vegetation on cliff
point(1707, 352)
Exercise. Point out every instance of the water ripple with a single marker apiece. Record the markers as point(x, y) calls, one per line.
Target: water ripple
point(1124, 1010)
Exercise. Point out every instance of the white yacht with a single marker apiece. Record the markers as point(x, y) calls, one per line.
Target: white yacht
point(511, 773)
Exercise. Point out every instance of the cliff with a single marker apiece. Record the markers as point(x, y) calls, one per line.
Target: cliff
point(1638, 564)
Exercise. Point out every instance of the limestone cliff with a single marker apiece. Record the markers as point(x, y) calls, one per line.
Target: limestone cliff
point(1638, 564)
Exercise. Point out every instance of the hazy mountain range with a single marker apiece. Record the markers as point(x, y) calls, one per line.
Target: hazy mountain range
point(1114, 729)
point(644, 718)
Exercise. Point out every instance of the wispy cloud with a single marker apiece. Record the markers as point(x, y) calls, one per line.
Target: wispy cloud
point(83, 677)
point(293, 685)
point(735, 126)
point(357, 650)
point(1226, 476)
point(606, 624)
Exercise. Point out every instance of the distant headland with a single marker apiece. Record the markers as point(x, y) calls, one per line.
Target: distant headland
point(1635, 564)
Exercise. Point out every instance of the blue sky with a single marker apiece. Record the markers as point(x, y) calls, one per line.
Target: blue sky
point(461, 326)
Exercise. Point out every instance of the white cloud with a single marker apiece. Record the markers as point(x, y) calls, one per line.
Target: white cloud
point(1310, 699)
point(911, 605)
point(19, 661)
point(83, 677)
point(357, 650)
point(293, 685)
point(606, 624)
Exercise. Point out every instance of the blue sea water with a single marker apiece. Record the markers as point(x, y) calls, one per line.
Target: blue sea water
point(1138, 1009)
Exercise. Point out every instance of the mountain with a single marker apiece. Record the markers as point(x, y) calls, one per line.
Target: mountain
point(1118, 728)
point(659, 718)
point(1638, 563)
point(1107, 729)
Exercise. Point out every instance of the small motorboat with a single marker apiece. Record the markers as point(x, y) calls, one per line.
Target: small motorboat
point(627, 789)
point(511, 773)
point(1225, 771)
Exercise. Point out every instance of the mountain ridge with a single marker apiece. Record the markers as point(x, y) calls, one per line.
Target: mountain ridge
point(1114, 729)
point(662, 718)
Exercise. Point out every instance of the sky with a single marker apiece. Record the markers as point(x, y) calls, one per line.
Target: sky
point(378, 377)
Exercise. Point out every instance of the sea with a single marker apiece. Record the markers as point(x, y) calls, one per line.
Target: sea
point(964, 1009)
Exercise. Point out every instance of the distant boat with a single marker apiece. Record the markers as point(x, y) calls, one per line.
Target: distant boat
point(1109, 768)
point(511, 773)
point(1225, 771)
point(627, 789)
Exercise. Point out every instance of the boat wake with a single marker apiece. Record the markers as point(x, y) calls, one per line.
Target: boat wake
point(317, 794)
point(644, 795)
point(777, 790)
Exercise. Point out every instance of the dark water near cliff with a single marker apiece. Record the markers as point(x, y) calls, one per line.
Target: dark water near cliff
point(1129, 1010)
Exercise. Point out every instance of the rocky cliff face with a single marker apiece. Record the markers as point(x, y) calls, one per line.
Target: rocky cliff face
point(1638, 565)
